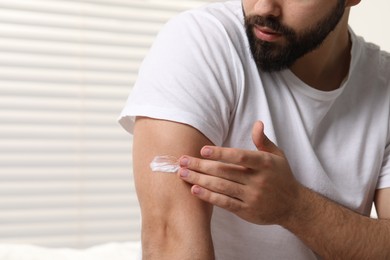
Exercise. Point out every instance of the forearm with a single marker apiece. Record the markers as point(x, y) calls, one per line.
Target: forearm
point(335, 232)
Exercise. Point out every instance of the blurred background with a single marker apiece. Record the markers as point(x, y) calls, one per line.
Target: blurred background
point(66, 69)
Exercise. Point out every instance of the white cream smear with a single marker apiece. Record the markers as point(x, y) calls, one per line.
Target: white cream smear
point(165, 163)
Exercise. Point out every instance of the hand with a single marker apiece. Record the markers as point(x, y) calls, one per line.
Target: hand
point(258, 186)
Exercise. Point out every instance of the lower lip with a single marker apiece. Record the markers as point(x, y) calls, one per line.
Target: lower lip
point(265, 36)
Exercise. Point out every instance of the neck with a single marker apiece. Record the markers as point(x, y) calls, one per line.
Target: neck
point(326, 67)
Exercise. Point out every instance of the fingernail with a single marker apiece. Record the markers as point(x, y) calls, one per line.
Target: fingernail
point(184, 173)
point(206, 151)
point(196, 190)
point(184, 162)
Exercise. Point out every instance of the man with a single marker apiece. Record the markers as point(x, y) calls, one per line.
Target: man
point(279, 114)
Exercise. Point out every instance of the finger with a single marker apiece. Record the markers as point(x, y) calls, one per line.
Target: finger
point(212, 183)
point(245, 158)
point(231, 204)
point(261, 141)
point(219, 169)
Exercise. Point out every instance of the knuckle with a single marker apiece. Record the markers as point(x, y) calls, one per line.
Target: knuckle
point(193, 177)
point(255, 196)
point(241, 158)
point(221, 186)
point(220, 169)
point(258, 182)
point(194, 163)
point(190, 176)
point(230, 205)
point(238, 192)
point(267, 161)
point(223, 202)
point(214, 199)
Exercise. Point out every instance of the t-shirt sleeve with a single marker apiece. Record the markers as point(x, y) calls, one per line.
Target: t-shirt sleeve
point(384, 177)
point(189, 76)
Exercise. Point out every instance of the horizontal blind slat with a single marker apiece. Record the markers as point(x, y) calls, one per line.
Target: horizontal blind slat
point(73, 240)
point(90, 226)
point(56, 117)
point(57, 186)
point(50, 159)
point(92, 10)
point(74, 76)
point(84, 23)
point(22, 131)
point(62, 89)
point(106, 106)
point(66, 200)
point(64, 48)
point(65, 35)
point(65, 173)
point(59, 146)
point(31, 216)
point(11, 59)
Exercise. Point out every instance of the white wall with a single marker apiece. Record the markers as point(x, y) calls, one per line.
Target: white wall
point(370, 19)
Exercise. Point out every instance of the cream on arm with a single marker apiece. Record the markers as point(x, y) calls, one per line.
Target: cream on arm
point(165, 163)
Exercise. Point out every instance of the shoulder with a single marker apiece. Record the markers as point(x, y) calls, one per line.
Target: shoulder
point(370, 59)
point(217, 23)
point(196, 50)
point(211, 37)
point(224, 13)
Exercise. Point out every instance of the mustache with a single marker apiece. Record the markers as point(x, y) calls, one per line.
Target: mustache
point(269, 22)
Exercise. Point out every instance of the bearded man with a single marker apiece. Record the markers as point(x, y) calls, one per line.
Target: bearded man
point(279, 116)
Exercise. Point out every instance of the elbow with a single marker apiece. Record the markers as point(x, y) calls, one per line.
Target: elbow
point(159, 238)
point(175, 239)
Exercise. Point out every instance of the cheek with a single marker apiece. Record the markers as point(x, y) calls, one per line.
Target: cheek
point(248, 6)
point(301, 18)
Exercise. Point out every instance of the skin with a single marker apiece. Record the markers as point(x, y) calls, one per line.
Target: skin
point(247, 179)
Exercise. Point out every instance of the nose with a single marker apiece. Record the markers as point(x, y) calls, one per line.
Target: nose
point(268, 8)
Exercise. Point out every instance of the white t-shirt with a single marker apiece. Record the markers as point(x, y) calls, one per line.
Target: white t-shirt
point(200, 72)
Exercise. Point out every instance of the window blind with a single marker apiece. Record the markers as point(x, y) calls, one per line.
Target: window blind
point(66, 68)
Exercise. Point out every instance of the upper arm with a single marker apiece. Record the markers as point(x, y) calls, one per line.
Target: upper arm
point(382, 203)
point(173, 221)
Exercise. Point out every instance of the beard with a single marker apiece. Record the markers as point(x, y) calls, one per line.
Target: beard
point(271, 57)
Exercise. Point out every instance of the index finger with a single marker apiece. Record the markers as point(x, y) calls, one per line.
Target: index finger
point(247, 158)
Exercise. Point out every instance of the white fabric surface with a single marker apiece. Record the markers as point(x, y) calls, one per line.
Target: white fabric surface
point(108, 251)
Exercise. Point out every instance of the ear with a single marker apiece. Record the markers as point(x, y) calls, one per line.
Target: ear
point(349, 3)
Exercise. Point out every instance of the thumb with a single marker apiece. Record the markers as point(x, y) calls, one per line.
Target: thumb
point(262, 142)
